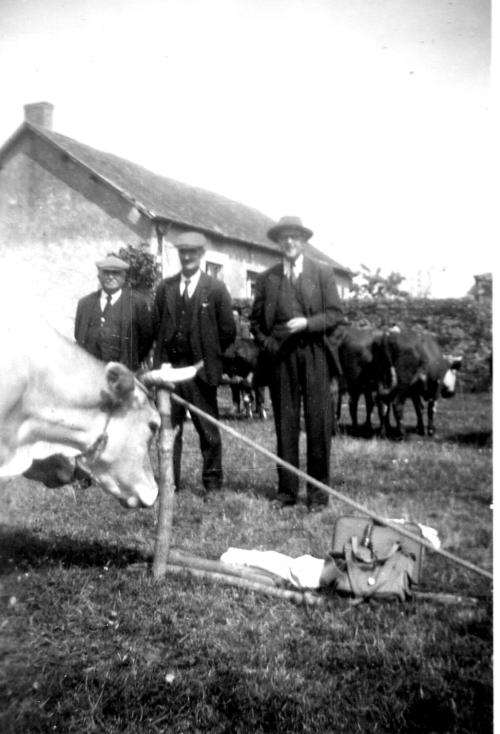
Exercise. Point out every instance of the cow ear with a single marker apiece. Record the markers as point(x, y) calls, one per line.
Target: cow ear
point(120, 381)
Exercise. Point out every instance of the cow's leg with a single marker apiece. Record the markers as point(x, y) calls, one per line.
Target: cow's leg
point(417, 402)
point(353, 410)
point(384, 417)
point(247, 401)
point(260, 401)
point(235, 398)
point(431, 412)
point(398, 410)
point(369, 409)
point(338, 406)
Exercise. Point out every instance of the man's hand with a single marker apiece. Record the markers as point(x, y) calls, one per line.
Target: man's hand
point(299, 323)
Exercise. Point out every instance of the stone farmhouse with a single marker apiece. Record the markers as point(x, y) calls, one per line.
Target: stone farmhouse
point(63, 205)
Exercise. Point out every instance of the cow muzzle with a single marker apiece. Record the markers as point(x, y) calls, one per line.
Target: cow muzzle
point(448, 386)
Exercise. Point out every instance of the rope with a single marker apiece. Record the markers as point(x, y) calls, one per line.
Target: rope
point(333, 492)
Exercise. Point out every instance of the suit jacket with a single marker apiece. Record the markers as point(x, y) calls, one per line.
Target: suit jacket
point(318, 295)
point(212, 327)
point(136, 325)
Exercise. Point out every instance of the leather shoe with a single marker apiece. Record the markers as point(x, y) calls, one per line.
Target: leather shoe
point(282, 501)
point(317, 506)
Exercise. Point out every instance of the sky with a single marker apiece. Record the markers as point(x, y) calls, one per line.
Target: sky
point(369, 119)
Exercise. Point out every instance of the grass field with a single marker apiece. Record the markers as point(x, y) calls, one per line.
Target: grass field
point(90, 643)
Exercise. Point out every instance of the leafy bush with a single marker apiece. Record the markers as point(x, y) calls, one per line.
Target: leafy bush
point(145, 273)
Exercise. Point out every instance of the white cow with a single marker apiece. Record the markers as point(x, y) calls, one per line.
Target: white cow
point(55, 399)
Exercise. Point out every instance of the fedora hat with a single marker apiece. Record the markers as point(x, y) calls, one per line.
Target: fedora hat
point(288, 223)
point(190, 241)
point(111, 262)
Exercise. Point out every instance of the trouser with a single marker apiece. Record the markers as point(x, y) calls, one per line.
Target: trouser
point(302, 376)
point(204, 397)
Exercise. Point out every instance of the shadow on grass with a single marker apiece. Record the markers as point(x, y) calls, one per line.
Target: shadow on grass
point(344, 429)
point(23, 550)
point(480, 439)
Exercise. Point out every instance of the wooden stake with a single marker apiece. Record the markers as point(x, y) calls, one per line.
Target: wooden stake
point(309, 597)
point(179, 558)
point(166, 487)
point(298, 597)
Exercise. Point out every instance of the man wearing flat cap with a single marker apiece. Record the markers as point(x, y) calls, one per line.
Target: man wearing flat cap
point(114, 323)
point(193, 322)
point(297, 321)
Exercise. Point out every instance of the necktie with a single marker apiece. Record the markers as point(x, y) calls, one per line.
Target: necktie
point(293, 276)
point(107, 308)
point(185, 293)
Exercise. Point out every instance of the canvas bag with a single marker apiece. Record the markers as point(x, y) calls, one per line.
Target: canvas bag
point(379, 538)
point(359, 570)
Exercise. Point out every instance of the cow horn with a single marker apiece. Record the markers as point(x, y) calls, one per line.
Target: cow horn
point(168, 375)
point(455, 362)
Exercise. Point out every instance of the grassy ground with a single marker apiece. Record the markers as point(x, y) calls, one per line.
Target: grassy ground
point(90, 645)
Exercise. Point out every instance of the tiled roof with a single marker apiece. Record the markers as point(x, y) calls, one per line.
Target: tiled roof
point(166, 199)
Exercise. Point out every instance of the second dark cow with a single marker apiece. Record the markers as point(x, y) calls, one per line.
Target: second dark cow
point(243, 372)
point(366, 372)
point(423, 374)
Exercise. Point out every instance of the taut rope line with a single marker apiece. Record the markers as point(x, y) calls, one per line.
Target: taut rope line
point(335, 493)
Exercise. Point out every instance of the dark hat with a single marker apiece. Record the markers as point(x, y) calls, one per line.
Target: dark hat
point(190, 241)
point(111, 262)
point(288, 223)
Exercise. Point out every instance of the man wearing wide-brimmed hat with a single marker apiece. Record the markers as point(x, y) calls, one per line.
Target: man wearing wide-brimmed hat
point(296, 320)
point(114, 323)
point(193, 322)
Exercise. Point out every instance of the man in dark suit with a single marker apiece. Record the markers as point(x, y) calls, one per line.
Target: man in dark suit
point(114, 323)
point(296, 320)
point(194, 321)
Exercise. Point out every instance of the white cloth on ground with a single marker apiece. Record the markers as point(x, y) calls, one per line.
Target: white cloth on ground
point(429, 533)
point(303, 572)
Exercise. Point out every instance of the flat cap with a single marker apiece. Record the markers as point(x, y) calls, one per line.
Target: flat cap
point(111, 262)
point(190, 241)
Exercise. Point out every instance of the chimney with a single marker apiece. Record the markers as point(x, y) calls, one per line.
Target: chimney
point(39, 113)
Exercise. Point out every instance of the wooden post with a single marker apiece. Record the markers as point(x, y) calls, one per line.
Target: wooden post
point(166, 487)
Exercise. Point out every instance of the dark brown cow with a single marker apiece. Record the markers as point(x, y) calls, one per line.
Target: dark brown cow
point(366, 372)
point(423, 373)
point(242, 364)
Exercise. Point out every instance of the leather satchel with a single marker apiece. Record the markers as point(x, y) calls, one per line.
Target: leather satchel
point(379, 538)
point(365, 567)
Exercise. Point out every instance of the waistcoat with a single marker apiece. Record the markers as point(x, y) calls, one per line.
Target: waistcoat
point(289, 304)
point(180, 348)
point(103, 337)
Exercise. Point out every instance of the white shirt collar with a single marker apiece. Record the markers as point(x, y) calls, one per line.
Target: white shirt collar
point(114, 297)
point(193, 282)
point(297, 266)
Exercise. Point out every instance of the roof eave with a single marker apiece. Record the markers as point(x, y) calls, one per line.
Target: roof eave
point(212, 232)
point(12, 139)
point(103, 179)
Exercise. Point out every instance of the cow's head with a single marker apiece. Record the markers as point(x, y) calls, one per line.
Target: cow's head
point(119, 458)
point(449, 382)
